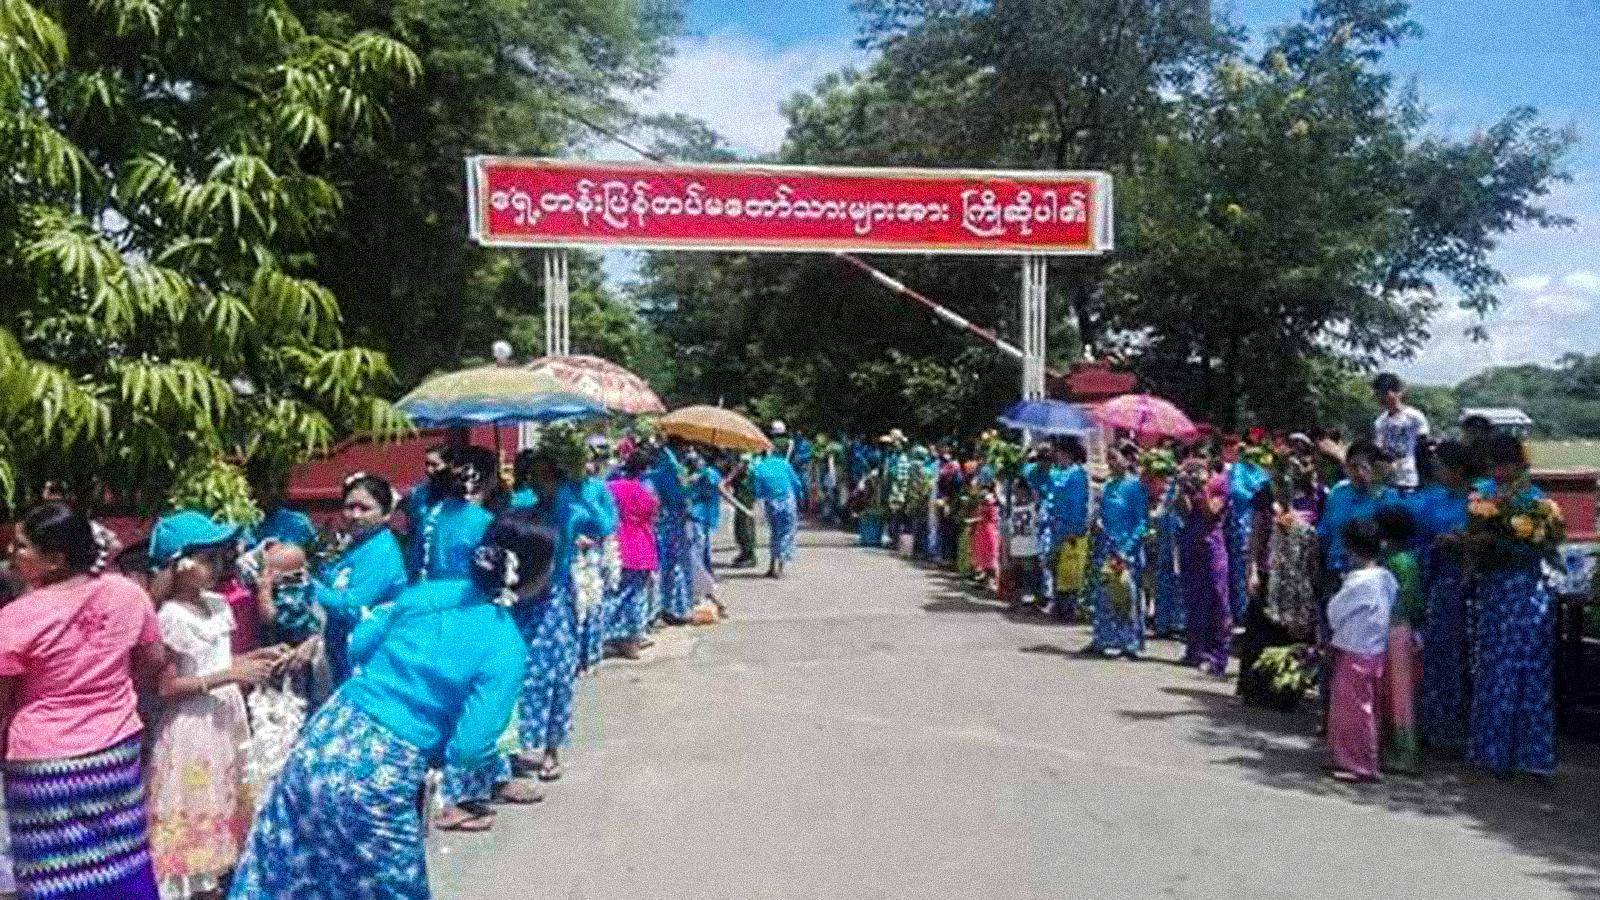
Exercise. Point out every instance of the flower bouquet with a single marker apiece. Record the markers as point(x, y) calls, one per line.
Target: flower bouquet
point(1158, 462)
point(1118, 580)
point(1261, 455)
point(1507, 530)
point(1291, 671)
point(1004, 457)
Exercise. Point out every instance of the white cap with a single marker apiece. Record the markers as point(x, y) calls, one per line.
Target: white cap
point(778, 427)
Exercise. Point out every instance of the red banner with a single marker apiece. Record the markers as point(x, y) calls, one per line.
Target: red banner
point(557, 203)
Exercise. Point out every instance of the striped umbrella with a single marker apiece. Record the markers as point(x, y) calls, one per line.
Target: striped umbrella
point(601, 379)
point(494, 394)
point(715, 426)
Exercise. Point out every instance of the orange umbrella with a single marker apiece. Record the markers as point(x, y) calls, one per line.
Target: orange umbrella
point(715, 426)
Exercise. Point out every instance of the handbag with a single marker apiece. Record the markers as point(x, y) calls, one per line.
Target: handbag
point(277, 714)
point(1071, 565)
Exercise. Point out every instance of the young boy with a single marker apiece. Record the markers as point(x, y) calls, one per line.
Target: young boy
point(1398, 430)
point(1023, 545)
point(1359, 616)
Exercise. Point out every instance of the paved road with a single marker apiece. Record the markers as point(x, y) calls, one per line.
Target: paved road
point(866, 728)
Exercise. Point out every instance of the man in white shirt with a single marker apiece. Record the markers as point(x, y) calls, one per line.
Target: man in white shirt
point(1399, 430)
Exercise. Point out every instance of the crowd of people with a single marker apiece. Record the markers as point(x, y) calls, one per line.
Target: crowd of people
point(1402, 576)
point(263, 710)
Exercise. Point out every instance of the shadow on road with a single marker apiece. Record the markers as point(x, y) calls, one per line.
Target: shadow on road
point(1555, 823)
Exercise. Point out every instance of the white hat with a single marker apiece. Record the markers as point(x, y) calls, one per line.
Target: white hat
point(778, 427)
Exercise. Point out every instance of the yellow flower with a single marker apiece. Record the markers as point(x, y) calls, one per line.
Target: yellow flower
point(1483, 509)
point(1552, 510)
point(1522, 527)
point(1538, 534)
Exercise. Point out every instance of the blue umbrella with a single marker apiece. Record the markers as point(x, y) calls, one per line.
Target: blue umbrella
point(493, 395)
point(1048, 416)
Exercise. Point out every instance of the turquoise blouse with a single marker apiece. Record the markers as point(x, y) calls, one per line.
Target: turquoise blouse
point(1066, 495)
point(707, 499)
point(602, 507)
point(1345, 504)
point(369, 572)
point(448, 535)
point(441, 667)
point(775, 479)
point(1125, 513)
point(1437, 511)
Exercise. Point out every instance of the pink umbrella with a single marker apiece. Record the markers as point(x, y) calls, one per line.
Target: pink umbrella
point(604, 381)
point(1146, 415)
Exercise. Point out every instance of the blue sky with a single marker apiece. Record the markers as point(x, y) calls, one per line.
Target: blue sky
point(738, 59)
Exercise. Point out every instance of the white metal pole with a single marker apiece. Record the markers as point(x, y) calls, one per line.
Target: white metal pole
point(1034, 326)
point(564, 330)
point(549, 303)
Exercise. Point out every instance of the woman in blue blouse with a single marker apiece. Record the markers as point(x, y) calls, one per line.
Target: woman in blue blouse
point(1440, 511)
point(550, 627)
point(1119, 532)
point(1513, 664)
point(451, 526)
point(368, 571)
point(672, 534)
point(593, 556)
point(439, 670)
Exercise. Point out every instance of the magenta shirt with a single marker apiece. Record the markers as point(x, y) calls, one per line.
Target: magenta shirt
point(636, 535)
point(241, 599)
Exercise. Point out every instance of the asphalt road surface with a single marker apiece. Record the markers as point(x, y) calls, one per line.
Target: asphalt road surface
point(868, 728)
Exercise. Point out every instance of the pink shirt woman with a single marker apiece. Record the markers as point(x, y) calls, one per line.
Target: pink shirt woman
point(637, 506)
point(69, 650)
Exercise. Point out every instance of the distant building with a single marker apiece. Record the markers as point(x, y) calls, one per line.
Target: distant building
point(1507, 419)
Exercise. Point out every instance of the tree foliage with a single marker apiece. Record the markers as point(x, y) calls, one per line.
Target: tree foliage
point(1286, 217)
point(154, 235)
point(516, 77)
point(1299, 212)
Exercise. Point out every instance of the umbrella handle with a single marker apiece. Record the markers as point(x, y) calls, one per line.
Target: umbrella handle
point(723, 490)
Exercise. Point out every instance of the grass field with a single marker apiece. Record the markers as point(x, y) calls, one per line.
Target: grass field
point(1565, 454)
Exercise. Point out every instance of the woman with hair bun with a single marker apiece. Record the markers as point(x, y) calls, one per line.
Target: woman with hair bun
point(70, 647)
point(369, 570)
point(1513, 720)
point(440, 670)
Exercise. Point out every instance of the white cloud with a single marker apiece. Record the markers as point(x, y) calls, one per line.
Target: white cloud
point(1561, 304)
point(1583, 280)
point(1531, 284)
point(736, 83)
point(1523, 330)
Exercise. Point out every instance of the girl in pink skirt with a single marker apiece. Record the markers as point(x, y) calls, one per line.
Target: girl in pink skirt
point(1359, 616)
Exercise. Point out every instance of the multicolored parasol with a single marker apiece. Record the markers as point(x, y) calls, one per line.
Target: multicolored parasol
point(1146, 415)
point(715, 426)
point(494, 394)
point(600, 379)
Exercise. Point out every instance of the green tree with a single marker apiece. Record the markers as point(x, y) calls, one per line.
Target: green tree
point(154, 233)
point(1043, 84)
point(521, 77)
point(1299, 211)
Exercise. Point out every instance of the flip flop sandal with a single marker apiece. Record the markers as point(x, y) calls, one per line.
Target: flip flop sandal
point(550, 773)
point(518, 799)
point(468, 823)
